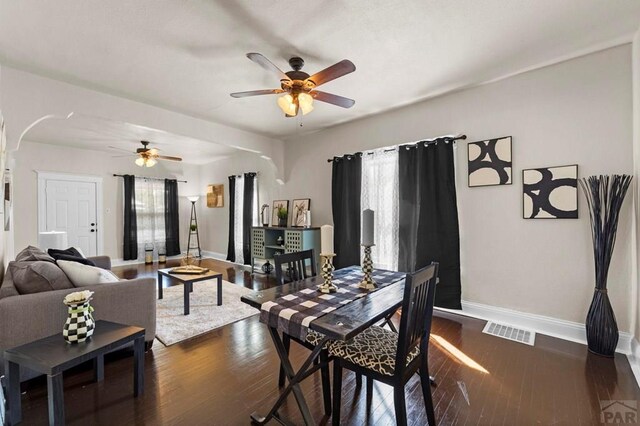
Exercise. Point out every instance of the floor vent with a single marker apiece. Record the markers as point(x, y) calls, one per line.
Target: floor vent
point(510, 333)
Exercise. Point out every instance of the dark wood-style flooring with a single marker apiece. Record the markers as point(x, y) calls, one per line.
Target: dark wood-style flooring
point(220, 378)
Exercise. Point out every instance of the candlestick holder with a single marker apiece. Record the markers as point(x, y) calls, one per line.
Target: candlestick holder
point(367, 282)
point(327, 274)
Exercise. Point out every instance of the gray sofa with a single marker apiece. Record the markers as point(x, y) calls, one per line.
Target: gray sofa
point(28, 317)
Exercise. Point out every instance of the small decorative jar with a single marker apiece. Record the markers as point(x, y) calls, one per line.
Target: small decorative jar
point(148, 253)
point(267, 268)
point(280, 240)
point(162, 254)
point(80, 324)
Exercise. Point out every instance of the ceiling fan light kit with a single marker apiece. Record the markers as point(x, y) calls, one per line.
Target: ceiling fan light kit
point(299, 87)
point(148, 157)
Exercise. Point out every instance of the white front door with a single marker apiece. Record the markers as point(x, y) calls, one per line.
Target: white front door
point(71, 206)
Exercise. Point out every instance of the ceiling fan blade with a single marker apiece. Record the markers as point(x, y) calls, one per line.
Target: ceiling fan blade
point(256, 93)
point(267, 65)
point(330, 98)
point(120, 149)
point(122, 156)
point(331, 73)
point(167, 157)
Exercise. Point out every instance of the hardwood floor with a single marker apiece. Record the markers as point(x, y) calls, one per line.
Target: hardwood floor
point(220, 378)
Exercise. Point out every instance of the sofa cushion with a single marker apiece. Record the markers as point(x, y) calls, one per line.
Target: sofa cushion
point(32, 254)
point(84, 275)
point(37, 276)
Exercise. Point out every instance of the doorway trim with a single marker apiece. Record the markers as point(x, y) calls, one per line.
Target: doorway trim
point(44, 176)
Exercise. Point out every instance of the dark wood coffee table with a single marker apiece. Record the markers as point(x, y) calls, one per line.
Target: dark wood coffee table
point(53, 355)
point(188, 280)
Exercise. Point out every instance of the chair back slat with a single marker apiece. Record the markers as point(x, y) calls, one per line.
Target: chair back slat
point(293, 266)
point(417, 313)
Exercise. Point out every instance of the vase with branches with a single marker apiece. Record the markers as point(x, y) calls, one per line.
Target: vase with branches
point(604, 195)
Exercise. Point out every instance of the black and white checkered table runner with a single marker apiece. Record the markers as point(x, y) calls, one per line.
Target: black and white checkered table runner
point(293, 313)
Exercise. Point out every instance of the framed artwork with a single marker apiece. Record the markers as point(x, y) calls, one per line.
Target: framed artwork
point(215, 195)
point(489, 162)
point(277, 205)
point(298, 210)
point(550, 192)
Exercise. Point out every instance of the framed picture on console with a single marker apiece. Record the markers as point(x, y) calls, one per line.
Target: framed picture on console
point(276, 207)
point(550, 192)
point(489, 162)
point(300, 207)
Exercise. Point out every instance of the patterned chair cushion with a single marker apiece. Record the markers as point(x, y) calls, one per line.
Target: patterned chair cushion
point(314, 338)
point(374, 349)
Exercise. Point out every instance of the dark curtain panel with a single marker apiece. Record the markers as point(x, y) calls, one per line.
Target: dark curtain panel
point(231, 252)
point(428, 216)
point(346, 182)
point(247, 215)
point(171, 219)
point(130, 240)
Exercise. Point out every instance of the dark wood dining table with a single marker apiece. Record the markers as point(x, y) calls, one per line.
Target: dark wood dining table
point(341, 324)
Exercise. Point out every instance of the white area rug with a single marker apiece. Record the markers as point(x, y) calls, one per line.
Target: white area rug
point(173, 326)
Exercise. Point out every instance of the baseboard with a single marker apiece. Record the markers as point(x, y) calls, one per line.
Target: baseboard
point(634, 358)
point(214, 255)
point(562, 329)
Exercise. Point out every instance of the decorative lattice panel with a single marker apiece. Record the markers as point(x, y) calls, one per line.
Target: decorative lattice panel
point(293, 241)
point(257, 243)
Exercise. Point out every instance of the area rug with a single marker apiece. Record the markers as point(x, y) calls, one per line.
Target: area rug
point(172, 326)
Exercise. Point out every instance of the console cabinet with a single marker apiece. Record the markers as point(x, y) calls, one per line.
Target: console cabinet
point(264, 243)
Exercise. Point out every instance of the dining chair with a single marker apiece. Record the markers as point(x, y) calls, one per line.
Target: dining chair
point(393, 358)
point(296, 266)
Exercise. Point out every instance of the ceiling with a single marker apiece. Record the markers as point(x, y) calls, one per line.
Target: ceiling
point(114, 137)
point(187, 56)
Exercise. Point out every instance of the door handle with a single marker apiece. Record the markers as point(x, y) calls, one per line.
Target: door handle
point(93, 224)
point(93, 230)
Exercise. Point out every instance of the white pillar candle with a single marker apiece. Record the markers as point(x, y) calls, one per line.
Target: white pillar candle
point(367, 227)
point(326, 239)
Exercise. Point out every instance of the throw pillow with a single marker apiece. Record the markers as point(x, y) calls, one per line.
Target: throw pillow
point(75, 259)
point(85, 275)
point(71, 251)
point(32, 254)
point(35, 277)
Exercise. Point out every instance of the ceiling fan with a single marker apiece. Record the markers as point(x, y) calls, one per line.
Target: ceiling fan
point(299, 87)
point(147, 157)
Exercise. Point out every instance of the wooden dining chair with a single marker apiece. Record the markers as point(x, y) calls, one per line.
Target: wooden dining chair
point(296, 266)
point(393, 358)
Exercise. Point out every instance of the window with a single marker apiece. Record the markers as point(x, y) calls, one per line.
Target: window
point(380, 194)
point(150, 213)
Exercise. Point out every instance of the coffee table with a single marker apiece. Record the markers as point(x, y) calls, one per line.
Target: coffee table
point(188, 280)
point(53, 356)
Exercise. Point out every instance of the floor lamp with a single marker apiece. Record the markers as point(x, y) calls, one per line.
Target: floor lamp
point(193, 226)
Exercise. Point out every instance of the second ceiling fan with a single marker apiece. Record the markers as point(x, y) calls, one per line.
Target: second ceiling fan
point(298, 87)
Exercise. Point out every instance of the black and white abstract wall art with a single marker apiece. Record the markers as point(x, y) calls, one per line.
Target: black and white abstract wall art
point(490, 162)
point(550, 192)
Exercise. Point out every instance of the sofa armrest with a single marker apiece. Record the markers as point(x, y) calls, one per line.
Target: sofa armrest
point(103, 262)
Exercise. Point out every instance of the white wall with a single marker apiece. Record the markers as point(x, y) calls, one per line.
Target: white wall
point(214, 222)
point(32, 157)
point(579, 111)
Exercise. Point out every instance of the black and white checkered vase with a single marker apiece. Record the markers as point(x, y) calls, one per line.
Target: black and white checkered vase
point(80, 324)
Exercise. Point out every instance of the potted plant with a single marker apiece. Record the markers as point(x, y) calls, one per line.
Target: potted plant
point(194, 227)
point(282, 216)
point(604, 195)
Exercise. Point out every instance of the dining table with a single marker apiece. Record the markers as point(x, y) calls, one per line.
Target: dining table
point(298, 308)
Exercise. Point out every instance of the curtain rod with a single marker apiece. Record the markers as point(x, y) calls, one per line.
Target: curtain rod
point(425, 141)
point(152, 178)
